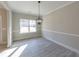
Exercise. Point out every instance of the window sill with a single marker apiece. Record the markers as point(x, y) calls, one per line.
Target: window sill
point(28, 32)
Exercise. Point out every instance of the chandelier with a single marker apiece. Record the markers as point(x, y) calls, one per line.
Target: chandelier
point(39, 19)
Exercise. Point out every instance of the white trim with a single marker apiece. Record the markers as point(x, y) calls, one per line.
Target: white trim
point(4, 4)
point(9, 28)
point(68, 47)
point(1, 30)
point(60, 7)
point(75, 50)
point(76, 35)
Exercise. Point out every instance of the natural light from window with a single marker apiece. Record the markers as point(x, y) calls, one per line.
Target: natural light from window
point(27, 26)
point(13, 52)
point(7, 52)
point(19, 51)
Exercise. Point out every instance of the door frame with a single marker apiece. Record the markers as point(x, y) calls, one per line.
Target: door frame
point(9, 28)
point(9, 23)
point(1, 41)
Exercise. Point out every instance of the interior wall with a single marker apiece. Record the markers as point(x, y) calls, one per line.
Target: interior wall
point(3, 14)
point(62, 26)
point(16, 27)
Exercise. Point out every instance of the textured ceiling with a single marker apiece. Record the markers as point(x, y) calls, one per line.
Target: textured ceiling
point(31, 7)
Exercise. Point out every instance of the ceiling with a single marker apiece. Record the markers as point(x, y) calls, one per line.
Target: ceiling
point(31, 7)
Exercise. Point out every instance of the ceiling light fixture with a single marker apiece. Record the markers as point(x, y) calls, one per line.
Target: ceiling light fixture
point(39, 19)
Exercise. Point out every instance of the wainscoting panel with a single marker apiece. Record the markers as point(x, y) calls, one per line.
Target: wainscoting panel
point(70, 41)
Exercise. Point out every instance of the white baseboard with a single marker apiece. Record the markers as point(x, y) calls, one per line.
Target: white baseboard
point(68, 47)
point(63, 33)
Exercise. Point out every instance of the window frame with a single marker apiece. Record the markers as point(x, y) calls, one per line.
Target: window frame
point(28, 26)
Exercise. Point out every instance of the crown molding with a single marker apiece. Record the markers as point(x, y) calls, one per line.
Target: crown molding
point(5, 6)
point(60, 7)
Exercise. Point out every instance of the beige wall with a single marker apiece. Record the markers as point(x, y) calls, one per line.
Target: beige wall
point(3, 13)
point(62, 26)
point(16, 26)
point(64, 20)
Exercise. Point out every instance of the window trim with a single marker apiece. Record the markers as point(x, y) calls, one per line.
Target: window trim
point(28, 27)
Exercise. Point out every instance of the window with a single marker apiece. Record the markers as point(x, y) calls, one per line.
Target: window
point(32, 26)
point(27, 26)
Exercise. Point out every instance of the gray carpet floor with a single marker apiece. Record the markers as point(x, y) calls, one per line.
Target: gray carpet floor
point(40, 47)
